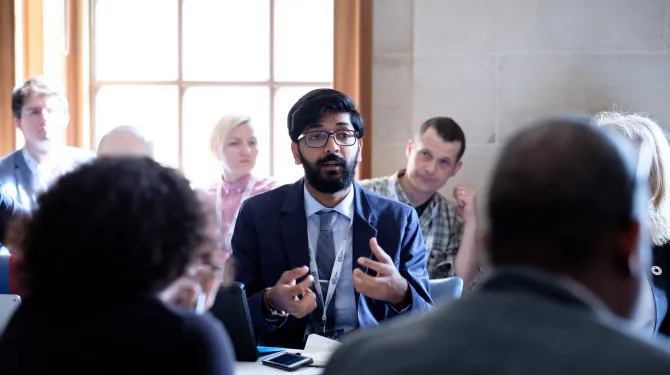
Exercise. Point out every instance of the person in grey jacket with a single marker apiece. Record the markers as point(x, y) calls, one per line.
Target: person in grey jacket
point(41, 112)
point(568, 244)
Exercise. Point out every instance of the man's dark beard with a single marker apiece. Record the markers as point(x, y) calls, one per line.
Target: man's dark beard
point(329, 182)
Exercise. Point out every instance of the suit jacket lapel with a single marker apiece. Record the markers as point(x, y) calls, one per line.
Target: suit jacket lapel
point(24, 181)
point(294, 227)
point(365, 228)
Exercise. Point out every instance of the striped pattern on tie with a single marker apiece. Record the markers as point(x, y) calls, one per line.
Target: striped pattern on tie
point(325, 260)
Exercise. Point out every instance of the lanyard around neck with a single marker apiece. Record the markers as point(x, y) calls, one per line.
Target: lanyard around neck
point(334, 275)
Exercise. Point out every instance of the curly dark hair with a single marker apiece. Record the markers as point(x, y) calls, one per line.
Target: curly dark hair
point(121, 225)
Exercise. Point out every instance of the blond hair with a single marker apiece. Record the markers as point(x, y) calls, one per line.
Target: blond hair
point(639, 127)
point(221, 129)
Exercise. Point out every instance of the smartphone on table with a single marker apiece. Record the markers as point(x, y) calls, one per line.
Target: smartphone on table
point(287, 361)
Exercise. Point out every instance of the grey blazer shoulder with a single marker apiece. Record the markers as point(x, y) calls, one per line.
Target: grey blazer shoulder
point(7, 164)
point(16, 178)
point(512, 324)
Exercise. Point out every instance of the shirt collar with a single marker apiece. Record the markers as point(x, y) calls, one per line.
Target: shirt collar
point(32, 163)
point(402, 197)
point(56, 164)
point(395, 184)
point(565, 282)
point(580, 291)
point(598, 306)
point(345, 207)
point(235, 186)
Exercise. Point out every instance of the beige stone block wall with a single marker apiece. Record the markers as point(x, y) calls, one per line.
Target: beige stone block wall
point(494, 65)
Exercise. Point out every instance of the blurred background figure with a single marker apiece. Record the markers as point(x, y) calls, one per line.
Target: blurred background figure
point(106, 242)
point(652, 317)
point(233, 143)
point(14, 237)
point(11, 214)
point(126, 140)
point(567, 243)
point(198, 289)
point(434, 156)
point(9, 209)
point(189, 290)
point(41, 112)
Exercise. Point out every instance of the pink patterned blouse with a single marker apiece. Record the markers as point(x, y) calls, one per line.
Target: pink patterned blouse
point(232, 194)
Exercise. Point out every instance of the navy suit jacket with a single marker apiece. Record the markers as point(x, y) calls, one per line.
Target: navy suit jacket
point(660, 286)
point(270, 237)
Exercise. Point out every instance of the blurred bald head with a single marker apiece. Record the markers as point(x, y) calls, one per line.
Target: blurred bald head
point(562, 200)
point(126, 140)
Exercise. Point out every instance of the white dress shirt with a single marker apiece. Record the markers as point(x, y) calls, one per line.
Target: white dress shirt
point(345, 296)
point(44, 174)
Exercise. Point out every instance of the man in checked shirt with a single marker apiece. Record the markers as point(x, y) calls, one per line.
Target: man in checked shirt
point(449, 229)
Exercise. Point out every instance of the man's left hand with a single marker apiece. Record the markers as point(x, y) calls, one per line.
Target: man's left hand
point(467, 203)
point(186, 290)
point(388, 285)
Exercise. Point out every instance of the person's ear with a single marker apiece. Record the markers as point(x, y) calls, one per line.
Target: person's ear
point(627, 255)
point(483, 241)
point(457, 168)
point(296, 153)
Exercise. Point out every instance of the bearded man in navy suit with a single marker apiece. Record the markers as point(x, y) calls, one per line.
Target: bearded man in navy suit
point(323, 255)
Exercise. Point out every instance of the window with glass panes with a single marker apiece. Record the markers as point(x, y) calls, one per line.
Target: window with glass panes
point(174, 67)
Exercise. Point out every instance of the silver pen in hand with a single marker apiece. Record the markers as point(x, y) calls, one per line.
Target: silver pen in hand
point(200, 303)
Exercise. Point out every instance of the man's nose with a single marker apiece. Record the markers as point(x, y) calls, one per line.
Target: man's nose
point(331, 146)
point(44, 115)
point(431, 167)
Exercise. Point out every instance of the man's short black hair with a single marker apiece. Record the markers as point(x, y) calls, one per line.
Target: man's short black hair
point(447, 129)
point(559, 193)
point(311, 108)
point(120, 225)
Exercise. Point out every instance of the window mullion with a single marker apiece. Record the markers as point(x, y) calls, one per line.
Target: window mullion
point(180, 80)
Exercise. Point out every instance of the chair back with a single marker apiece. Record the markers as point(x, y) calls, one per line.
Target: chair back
point(446, 289)
point(4, 274)
point(8, 304)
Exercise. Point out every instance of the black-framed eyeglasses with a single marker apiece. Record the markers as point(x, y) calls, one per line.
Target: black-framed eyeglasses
point(319, 138)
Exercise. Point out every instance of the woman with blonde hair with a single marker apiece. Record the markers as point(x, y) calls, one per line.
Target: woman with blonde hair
point(642, 130)
point(234, 144)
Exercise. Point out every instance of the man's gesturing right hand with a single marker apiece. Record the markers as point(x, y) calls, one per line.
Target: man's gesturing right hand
point(284, 296)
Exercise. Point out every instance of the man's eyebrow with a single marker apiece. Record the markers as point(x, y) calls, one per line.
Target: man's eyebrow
point(313, 126)
point(446, 158)
point(318, 126)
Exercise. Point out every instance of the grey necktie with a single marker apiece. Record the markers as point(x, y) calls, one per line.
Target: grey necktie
point(325, 260)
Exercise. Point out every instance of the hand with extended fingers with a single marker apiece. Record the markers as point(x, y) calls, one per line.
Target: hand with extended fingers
point(388, 285)
point(293, 299)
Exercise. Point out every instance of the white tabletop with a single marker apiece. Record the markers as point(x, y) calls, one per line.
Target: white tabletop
point(257, 368)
